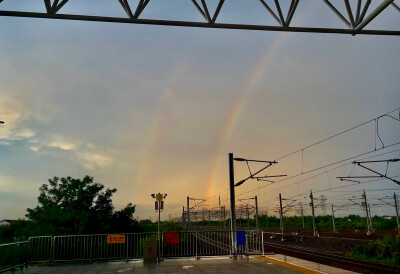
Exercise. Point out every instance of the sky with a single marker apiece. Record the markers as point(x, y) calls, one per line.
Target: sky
point(149, 109)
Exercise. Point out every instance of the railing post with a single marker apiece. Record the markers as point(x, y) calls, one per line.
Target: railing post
point(196, 246)
point(127, 247)
point(53, 247)
point(162, 247)
point(246, 248)
point(27, 255)
point(262, 242)
point(91, 247)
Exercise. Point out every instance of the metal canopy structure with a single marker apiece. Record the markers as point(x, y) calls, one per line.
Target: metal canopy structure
point(355, 19)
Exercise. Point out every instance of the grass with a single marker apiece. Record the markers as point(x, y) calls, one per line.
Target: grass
point(385, 251)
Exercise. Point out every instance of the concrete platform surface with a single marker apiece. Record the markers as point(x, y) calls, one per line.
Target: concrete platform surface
point(274, 264)
point(306, 264)
point(204, 265)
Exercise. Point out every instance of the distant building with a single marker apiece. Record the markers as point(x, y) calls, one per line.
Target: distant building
point(387, 217)
point(5, 222)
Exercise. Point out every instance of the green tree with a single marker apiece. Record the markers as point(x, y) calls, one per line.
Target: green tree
point(78, 206)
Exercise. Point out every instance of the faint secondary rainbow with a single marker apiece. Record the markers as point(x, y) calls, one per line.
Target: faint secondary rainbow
point(235, 110)
point(157, 132)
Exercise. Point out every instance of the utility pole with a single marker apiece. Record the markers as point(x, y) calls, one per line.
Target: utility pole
point(256, 201)
point(333, 220)
point(312, 210)
point(159, 206)
point(232, 198)
point(188, 213)
point(366, 211)
point(266, 214)
point(281, 214)
point(397, 212)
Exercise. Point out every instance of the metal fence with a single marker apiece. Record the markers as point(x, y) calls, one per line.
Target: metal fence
point(254, 242)
point(13, 255)
point(39, 249)
point(95, 247)
point(88, 248)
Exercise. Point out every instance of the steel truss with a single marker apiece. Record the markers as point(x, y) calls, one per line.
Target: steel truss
point(354, 20)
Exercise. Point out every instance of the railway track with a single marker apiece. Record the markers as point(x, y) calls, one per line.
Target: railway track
point(319, 256)
point(343, 262)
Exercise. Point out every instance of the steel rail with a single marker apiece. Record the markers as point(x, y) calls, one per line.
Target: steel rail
point(334, 259)
point(195, 24)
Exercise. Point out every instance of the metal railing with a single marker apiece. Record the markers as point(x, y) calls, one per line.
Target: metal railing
point(95, 247)
point(254, 242)
point(39, 249)
point(13, 255)
point(88, 248)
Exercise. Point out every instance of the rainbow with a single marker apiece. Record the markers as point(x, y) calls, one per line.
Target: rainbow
point(235, 110)
point(157, 131)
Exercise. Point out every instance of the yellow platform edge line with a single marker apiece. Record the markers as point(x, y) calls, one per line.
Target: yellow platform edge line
point(294, 267)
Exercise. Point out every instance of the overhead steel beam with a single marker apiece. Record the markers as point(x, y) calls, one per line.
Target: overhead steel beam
point(358, 12)
point(217, 11)
point(373, 14)
point(271, 12)
point(350, 13)
point(332, 7)
point(200, 9)
point(278, 7)
point(291, 12)
point(396, 6)
point(364, 11)
point(211, 21)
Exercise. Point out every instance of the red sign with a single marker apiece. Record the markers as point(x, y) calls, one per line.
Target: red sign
point(172, 238)
point(115, 239)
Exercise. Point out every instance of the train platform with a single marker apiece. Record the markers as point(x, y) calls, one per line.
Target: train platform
point(274, 264)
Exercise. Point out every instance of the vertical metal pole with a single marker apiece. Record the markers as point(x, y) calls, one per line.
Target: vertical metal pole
point(53, 247)
point(281, 214)
point(366, 211)
point(333, 220)
point(262, 242)
point(302, 215)
point(266, 214)
point(188, 213)
point(312, 210)
point(159, 239)
point(257, 225)
point(127, 247)
point(397, 212)
point(91, 247)
point(232, 200)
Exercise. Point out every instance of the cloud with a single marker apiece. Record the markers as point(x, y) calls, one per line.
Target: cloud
point(88, 155)
point(92, 160)
point(15, 113)
point(64, 145)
